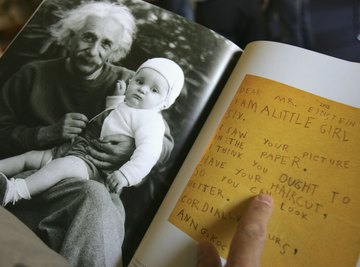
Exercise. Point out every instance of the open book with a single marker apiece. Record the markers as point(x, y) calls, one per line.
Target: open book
point(270, 118)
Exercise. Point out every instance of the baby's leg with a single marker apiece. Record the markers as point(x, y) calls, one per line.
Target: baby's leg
point(31, 160)
point(55, 171)
point(15, 189)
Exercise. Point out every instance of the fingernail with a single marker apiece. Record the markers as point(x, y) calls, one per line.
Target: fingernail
point(267, 199)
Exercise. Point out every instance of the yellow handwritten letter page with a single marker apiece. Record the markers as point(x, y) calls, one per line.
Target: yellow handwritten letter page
point(302, 149)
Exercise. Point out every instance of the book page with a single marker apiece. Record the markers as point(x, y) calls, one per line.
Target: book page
point(301, 149)
point(167, 245)
point(37, 90)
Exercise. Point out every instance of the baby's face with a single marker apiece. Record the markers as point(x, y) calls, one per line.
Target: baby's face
point(147, 89)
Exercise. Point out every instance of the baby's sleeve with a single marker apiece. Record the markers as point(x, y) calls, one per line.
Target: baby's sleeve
point(149, 135)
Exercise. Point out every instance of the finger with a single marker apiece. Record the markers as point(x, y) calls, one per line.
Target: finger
point(109, 179)
point(111, 189)
point(248, 242)
point(108, 152)
point(100, 145)
point(72, 130)
point(115, 139)
point(78, 116)
point(207, 256)
point(99, 163)
point(68, 136)
point(113, 182)
point(113, 186)
point(110, 184)
point(78, 124)
point(99, 155)
point(104, 145)
point(118, 188)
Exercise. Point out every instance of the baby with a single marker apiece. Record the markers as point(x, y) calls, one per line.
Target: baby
point(155, 86)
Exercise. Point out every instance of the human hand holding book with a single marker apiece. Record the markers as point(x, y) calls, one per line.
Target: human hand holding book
point(248, 240)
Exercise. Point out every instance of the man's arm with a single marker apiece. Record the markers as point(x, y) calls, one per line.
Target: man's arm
point(19, 134)
point(15, 136)
point(17, 139)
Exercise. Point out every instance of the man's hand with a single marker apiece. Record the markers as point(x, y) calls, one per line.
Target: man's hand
point(111, 151)
point(70, 126)
point(115, 182)
point(248, 241)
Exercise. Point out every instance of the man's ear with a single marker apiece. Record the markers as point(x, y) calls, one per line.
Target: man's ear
point(69, 39)
point(72, 34)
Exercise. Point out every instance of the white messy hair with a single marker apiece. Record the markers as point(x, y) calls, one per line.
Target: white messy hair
point(73, 20)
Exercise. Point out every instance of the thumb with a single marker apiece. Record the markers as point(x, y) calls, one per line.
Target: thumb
point(207, 255)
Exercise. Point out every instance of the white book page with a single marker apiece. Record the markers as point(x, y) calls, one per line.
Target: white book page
point(164, 244)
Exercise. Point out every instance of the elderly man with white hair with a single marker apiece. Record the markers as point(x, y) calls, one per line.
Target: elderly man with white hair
point(47, 103)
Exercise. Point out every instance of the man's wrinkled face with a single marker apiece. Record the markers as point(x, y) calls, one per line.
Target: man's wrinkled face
point(92, 45)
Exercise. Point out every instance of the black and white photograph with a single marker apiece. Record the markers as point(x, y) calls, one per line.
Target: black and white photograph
point(100, 103)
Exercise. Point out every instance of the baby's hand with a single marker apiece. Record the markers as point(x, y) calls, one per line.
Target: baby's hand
point(118, 96)
point(116, 181)
point(120, 88)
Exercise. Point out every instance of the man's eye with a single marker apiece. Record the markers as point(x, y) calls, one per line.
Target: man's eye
point(154, 90)
point(138, 81)
point(87, 38)
point(107, 44)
